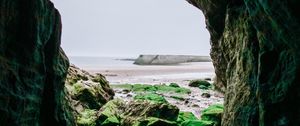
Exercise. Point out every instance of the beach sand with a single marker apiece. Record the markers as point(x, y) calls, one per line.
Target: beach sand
point(180, 74)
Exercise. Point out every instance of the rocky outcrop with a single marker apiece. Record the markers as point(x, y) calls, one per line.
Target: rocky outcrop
point(32, 65)
point(169, 59)
point(255, 51)
point(87, 93)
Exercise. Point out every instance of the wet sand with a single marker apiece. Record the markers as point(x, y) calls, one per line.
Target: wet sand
point(180, 74)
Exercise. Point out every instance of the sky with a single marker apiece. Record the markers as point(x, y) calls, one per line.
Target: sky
point(127, 28)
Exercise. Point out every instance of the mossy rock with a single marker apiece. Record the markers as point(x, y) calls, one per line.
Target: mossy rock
point(197, 123)
point(109, 114)
point(151, 97)
point(87, 118)
point(213, 113)
point(178, 98)
point(184, 116)
point(141, 110)
point(174, 85)
point(152, 121)
point(200, 83)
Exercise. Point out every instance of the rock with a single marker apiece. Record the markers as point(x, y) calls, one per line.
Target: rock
point(87, 118)
point(110, 113)
point(198, 83)
point(138, 111)
point(86, 93)
point(213, 114)
point(207, 79)
point(255, 51)
point(32, 64)
point(184, 116)
point(144, 113)
point(195, 105)
point(205, 95)
point(150, 97)
point(174, 85)
point(169, 59)
point(125, 91)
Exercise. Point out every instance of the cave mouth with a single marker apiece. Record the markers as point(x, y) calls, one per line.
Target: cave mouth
point(120, 68)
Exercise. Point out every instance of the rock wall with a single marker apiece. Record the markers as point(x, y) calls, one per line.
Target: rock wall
point(255, 50)
point(32, 65)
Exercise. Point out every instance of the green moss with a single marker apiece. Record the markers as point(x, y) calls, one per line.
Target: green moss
point(197, 123)
point(77, 87)
point(109, 115)
point(174, 85)
point(87, 118)
point(152, 121)
point(184, 116)
point(178, 98)
point(197, 83)
point(151, 97)
point(213, 113)
point(137, 88)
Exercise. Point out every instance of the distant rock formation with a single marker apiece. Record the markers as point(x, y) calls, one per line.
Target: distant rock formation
point(169, 59)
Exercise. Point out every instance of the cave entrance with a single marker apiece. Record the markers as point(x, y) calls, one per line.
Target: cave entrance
point(107, 36)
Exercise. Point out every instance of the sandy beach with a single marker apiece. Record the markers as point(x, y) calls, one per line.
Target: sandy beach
point(154, 75)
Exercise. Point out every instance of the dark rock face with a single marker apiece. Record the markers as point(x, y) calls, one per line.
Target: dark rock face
point(32, 65)
point(255, 50)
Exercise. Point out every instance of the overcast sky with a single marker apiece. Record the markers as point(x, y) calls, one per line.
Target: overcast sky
point(132, 27)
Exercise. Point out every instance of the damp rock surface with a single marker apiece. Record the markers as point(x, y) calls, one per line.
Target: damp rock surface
point(255, 51)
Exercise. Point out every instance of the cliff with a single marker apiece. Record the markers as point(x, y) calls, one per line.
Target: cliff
point(169, 59)
point(255, 51)
point(33, 67)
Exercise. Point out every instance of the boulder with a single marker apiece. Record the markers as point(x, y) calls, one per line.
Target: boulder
point(202, 84)
point(137, 113)
point(86, 93)
point(213, 114)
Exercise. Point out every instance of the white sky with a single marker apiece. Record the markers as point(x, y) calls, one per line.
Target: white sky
point(127, 28)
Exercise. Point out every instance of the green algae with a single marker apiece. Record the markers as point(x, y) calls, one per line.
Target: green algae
point(184, 116)
point(152, 88)
point(197, 123)
point(87, 118)
point(151, 97)
point(198, 83)
point(213, 113)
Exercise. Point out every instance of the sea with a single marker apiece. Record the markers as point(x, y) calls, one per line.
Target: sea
point(123, 70)
point(86, 62)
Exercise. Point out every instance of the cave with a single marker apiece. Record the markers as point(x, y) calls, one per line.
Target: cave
point(254, 43)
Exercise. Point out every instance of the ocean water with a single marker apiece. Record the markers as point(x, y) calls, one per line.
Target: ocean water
point(100, 62)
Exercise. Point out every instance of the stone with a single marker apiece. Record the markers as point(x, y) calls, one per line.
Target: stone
point(184, 116)
point(202, 84)
point(213, 114)
point(174, 85)
point(137, 113)
point(205, 95)
point(86, 93)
